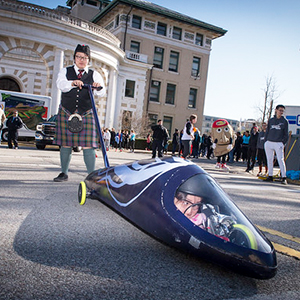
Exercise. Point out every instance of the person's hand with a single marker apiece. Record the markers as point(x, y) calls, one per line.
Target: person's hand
point(199, 220)
point(229, 147)
point(78, 83)
point(214, 145)
point(96, 84)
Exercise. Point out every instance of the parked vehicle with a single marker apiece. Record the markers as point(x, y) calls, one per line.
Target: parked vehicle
point(45, 134)
point(32, 109)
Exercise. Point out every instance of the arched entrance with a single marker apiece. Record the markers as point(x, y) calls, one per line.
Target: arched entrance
point(9, 84)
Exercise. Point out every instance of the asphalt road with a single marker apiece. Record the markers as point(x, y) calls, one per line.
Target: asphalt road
point(53, 248)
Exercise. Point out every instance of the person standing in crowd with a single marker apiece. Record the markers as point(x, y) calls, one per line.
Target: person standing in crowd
point(75, 100)
point(117, 141)
point(238, 146)
point(166, 143)
point(251, 155)
point(245, 145)
point(275, 139)
point(13, 123)
point(2, 120)
point(175, 141)
point(159, 136)
point(132, 140)
point(112, 137)
point(148, 141)
point(196, 143)
point(106, 137)
point(188, 135)
point(209, 143)
point(126, 140)
point(261, 154)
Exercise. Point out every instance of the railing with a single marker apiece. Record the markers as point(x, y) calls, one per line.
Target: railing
point(137, 56)
point(54, 15)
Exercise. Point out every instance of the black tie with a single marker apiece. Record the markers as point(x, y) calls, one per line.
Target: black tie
point(80, 74)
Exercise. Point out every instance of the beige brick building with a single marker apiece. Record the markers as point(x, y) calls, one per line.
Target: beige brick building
point(178, 48)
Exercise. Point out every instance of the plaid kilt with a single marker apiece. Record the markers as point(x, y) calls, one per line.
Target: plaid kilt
point(87, 137)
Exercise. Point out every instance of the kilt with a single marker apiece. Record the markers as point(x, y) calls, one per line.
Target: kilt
point(85, 138)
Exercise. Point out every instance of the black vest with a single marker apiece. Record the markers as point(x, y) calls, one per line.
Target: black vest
point(77, 99)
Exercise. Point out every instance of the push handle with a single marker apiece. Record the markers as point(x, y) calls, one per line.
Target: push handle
point(90, 88)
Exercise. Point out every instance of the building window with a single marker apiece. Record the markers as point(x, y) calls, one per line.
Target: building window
point(129, 90)
point(170, 96)
point(167, 122)
point(135, 47)
point(153, 118)
point(117, 19)
point(192, 98)
point(161, 29)
point(136, 22)
point(91, 2)
point(174, 59)
point(158, 57)
point(199, 39)
point(155, 91)
point(196, 66)
point(177, 33)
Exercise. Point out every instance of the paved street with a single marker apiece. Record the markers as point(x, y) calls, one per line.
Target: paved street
point(53, 248)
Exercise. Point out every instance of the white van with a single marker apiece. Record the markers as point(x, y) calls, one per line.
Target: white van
point(32, 109)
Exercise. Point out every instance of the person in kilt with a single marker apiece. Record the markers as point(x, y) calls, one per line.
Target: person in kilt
point(75, 100)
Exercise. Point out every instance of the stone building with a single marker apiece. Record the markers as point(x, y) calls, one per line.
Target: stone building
point(154, 60)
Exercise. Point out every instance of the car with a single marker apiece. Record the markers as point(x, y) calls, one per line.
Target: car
point(45, 134)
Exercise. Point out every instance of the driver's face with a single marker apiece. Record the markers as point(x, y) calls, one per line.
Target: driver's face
point(185, 205)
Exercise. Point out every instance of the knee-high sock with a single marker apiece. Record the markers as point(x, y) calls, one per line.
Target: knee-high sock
point(89, 156)
point(65, 158)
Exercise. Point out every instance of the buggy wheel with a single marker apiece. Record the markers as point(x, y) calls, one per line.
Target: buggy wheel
point(82, 193)
point(241, 235)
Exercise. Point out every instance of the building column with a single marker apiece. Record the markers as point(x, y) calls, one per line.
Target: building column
point(111, 99)
point(55, 92)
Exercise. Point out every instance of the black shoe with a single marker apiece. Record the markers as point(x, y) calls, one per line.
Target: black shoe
point(269, 178)
point(283, 181)
point(61, 177)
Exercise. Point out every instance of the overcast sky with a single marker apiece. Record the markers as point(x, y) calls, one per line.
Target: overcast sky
point(262, 41)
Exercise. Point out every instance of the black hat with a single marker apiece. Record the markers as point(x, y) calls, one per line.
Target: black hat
point(84, 49)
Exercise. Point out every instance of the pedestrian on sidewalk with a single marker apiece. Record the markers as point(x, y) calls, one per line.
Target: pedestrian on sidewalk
point(2, 120)
point(159, 136)
point(188, 135)
point(276, 137)
point(252, 148)
point(13, 123)
point(261, 153)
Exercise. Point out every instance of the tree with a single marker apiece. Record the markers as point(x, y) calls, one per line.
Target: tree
point(270, 95)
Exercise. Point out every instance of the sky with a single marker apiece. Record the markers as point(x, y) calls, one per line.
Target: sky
point(263, 41)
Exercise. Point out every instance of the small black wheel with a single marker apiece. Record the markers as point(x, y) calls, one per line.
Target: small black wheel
point(82, 193)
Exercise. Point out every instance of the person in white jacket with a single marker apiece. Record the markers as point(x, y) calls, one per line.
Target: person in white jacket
point(188, 135)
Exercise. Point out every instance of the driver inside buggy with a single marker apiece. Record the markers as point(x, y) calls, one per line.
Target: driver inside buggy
point(204, 215)
point(204, 204)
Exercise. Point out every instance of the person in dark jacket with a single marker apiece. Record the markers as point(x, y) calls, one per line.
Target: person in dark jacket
point(175, 141)
point(13, 123)
point(238, 146)
point(251, 155)
point(275, 139)
point(159, 136)
point(75, 101)
point(261, 153)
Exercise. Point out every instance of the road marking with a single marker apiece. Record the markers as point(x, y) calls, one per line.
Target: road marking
point(280, 248)
point(286, 250)
point(280, 234)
